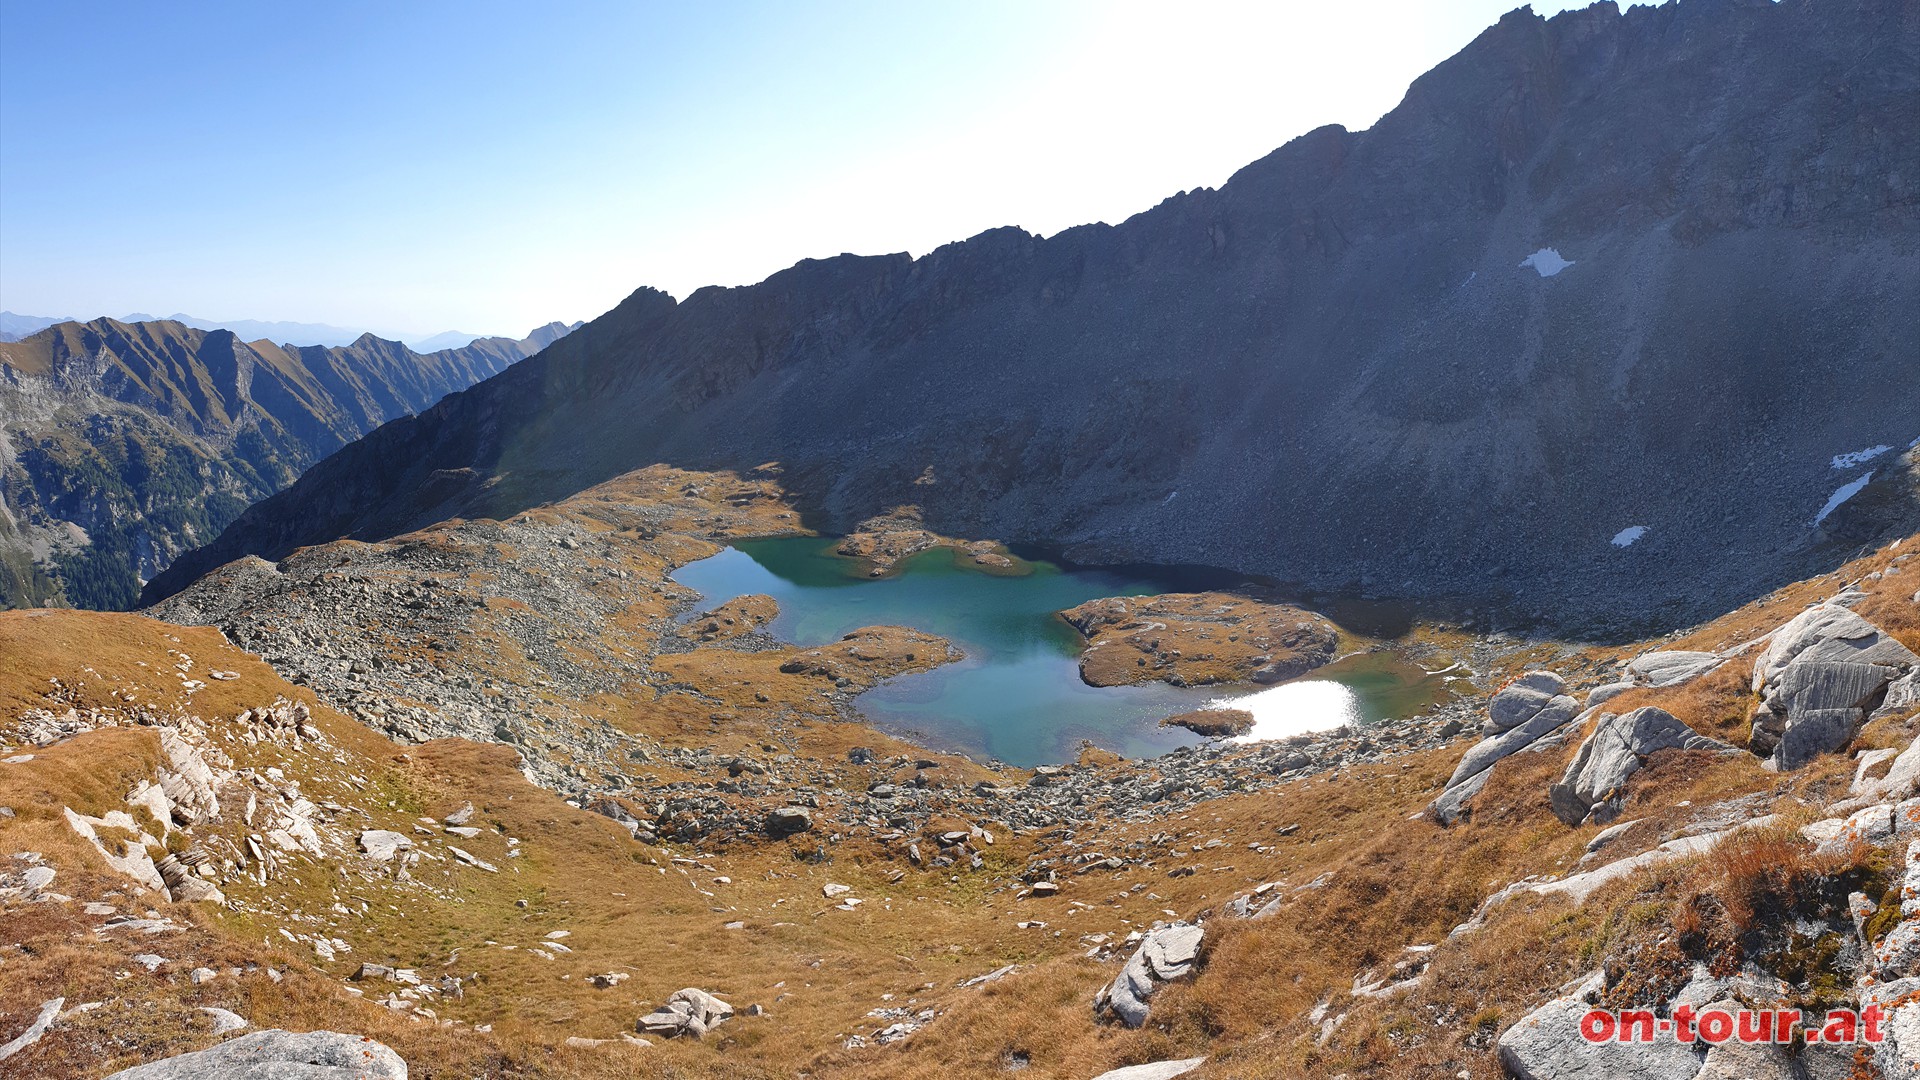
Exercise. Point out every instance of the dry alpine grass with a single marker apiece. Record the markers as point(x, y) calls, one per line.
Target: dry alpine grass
point(1364, 876)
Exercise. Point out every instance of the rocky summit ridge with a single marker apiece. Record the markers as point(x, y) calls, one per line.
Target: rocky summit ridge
point(1595, 310)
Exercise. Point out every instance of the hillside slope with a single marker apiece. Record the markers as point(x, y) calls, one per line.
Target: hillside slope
point(122, 444)
point(1651, 269)
point(593, 804)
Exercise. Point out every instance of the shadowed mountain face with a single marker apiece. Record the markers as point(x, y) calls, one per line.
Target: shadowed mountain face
point(1610, 270)
point(122, 444)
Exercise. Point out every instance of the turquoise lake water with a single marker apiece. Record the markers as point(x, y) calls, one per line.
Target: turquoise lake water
point(1017, 696)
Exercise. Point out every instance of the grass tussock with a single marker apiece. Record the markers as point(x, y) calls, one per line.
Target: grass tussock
point(1767, 873)
point(1718, 704)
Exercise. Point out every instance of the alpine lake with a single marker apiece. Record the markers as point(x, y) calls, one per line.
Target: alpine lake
point(1017, 695)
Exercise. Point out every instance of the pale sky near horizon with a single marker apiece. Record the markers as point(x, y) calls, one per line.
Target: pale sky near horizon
point(428, 166)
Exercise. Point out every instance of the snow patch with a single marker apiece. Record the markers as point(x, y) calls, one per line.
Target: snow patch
point(1625, 537)
point(1546, 262)
point(1841, 495)
point(1859, 457)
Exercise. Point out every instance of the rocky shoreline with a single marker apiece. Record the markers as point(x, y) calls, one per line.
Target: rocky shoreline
point(416, 637)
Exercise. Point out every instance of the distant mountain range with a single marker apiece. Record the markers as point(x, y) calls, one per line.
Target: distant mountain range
point(124, 443)
point(13, 327)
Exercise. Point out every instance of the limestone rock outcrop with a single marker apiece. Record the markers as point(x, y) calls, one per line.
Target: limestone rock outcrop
point(1671, 667)
point(1546, 1045)
point(1820, 677)
point(1164, 955)
point(1593, 788)
point(277, 1055)
point(133, 859)
point(687, 1012)
point(1524, 712)
point(49, 1010)
point(382, 845)
point(1154, 1070)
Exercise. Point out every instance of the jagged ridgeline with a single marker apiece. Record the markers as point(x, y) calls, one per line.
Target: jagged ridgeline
point(1576, 329)
point(123, 444)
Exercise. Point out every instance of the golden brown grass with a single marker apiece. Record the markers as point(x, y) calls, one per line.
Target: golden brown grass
point(1394, 881)
point(1768, 871)
point(1888, 603)
point(1719, 703)
point(627, 905)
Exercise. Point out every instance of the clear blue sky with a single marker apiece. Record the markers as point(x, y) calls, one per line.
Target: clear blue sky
point(421, 166)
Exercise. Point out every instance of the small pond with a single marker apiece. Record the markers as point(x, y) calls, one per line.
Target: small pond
point(1017, 696)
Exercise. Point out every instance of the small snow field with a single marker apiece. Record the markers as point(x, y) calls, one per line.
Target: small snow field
point(1859, 457)
point(1546, 262)
point(1841, 495)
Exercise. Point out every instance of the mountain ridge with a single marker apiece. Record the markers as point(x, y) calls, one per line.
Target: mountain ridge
point(124, 442)
point(1275, 376)
point(15, 327)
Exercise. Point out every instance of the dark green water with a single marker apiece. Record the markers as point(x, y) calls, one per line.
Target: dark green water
point(1018, 696)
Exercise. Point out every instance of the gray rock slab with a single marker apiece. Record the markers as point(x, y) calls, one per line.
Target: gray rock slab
point(1164, 954)
point(1672, 667)
point(1158, 1070)
point(1546, 682)
point(1470, 775)
point(691, 1011)
point(1546, 1045)
point(48, 1011)
point(1828, 633)
point(1514, 706)
point(1735, 1060)
point(1593, 787)
point(279, 1055)
point(224, 1020)
point(1600, 695)
point(382, 844)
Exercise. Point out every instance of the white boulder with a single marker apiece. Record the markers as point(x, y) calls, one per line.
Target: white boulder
point(1164, 955)
point(1593, 789)
point(687, 1012)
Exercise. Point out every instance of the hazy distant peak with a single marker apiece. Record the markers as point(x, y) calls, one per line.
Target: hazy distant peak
point(450, 339)
point(14, 327)
point(286, 333)
point(538, 338)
